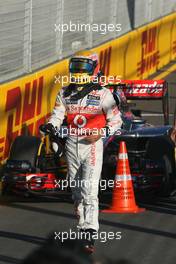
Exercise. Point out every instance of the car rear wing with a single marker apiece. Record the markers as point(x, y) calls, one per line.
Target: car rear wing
point(145, 90)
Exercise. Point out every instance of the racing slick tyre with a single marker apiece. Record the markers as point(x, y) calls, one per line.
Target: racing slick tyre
point(25, 148)
point(166, 186)
point(162, 149)
point(5, 191)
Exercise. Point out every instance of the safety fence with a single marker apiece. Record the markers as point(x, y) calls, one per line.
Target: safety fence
point(31, 37)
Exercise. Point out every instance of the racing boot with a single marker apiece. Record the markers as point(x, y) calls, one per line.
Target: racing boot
point(88, 239)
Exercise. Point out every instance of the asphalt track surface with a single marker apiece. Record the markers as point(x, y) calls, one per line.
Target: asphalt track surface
point(147, 238)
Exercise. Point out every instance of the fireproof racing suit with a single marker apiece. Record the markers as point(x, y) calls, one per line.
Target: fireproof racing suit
point(84, 159)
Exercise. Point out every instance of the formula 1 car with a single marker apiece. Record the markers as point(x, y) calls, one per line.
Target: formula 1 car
point(33, 168)
point(150, 149)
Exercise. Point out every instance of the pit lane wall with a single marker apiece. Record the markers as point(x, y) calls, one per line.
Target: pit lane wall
point(26, 102)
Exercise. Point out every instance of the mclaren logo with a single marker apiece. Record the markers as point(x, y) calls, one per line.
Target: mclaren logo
point(80, 121)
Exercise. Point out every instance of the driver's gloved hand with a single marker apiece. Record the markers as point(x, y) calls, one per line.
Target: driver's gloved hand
point(58, 148)
point(46, 128)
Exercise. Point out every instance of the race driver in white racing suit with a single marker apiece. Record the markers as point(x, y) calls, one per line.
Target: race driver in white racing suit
point(91, 111)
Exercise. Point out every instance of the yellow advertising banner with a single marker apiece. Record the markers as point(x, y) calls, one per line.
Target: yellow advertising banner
point(26, 102)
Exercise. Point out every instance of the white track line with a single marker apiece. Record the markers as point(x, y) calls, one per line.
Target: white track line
point(155, 114)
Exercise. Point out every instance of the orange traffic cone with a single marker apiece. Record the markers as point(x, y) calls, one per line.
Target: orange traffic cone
point(123, 200)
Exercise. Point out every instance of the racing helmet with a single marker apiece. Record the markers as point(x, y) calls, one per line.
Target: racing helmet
point(83, 68)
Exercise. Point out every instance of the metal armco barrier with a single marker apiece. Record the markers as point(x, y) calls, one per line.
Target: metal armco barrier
point(30, 38)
